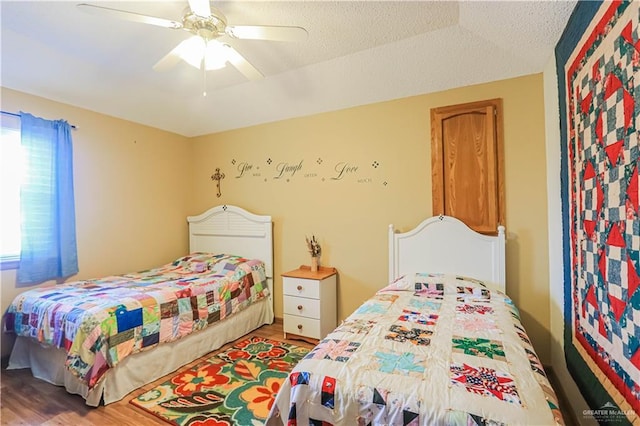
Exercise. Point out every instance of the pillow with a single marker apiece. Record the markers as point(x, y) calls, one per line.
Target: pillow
point(411, 281)
point(197, 262)
point(428, 282)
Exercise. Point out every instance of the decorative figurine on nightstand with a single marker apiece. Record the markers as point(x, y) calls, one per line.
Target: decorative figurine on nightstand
point(314, 250)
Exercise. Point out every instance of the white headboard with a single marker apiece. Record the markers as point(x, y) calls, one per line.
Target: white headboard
point(233, 230)
point(444, 244)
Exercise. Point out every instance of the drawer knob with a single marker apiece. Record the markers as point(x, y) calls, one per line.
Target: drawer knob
point(299, 307)
point(299, 288)
point(299, 326)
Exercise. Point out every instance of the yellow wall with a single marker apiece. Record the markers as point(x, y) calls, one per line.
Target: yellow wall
point(135, 186)
point(131, 192)
point(350, 217)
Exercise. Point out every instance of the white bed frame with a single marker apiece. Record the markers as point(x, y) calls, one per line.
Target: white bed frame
point(233, 230)
point(444, 244)
point(223, 229)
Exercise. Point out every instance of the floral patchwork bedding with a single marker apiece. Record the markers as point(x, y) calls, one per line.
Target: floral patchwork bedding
point(101, 321)
point(426, 350)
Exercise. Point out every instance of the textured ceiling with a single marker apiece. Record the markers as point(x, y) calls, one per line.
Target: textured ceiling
point(357, 52)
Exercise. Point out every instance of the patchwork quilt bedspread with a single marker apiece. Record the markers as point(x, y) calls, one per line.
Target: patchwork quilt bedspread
point(101, 321)
point(428, 349)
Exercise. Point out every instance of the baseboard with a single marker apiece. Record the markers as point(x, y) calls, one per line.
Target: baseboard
point(568, 413)
point(277, 320)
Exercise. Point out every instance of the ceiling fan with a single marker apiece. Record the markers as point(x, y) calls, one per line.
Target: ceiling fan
point(207, 24)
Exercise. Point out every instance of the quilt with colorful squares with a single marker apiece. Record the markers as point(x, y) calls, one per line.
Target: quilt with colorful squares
point(101, 321)
point(428, 349)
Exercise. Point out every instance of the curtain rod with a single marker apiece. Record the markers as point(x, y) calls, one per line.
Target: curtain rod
point(18, 115)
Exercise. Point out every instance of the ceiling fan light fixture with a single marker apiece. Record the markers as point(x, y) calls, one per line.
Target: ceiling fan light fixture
point(215, 55)
point(194, 49)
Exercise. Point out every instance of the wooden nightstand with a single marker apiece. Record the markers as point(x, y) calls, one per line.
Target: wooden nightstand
point(309, 302)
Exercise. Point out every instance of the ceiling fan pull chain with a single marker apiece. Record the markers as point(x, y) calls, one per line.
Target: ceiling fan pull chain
point(204, 80)
point(203, 65)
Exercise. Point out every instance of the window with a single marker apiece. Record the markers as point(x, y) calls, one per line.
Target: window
point(11, 175)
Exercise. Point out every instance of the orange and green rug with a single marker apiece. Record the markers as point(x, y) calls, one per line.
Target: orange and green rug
point(235, 387)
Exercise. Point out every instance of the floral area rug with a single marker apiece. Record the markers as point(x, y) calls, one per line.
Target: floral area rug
point(235, 387)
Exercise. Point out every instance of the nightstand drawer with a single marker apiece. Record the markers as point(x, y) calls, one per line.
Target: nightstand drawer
point(301, 287)
point(301, 306)
point(302, 326)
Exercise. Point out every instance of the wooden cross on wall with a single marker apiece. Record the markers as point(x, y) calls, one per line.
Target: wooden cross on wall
point(217, 176)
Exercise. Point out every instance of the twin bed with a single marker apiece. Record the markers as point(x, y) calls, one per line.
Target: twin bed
point(140, 327)
point(441, 344)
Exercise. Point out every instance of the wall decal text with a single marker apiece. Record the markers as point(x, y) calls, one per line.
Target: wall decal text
point(287, 170)
point(317, 169)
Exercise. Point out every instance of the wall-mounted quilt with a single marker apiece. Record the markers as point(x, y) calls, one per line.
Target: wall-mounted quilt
point(598, 65)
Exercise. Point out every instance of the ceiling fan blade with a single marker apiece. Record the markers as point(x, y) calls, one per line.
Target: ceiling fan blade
point(200, 7)
point(129, 16)
point(238, 61)
point(262, 32)
point(170, 59)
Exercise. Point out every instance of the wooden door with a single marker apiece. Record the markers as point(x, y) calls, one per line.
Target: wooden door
point(467, 164)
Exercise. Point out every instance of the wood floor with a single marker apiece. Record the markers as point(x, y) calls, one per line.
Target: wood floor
point(25, 400)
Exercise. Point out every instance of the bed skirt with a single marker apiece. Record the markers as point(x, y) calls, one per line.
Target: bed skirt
point(47, 363)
